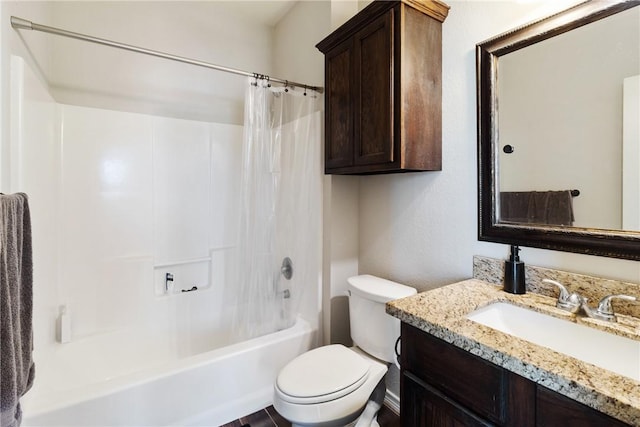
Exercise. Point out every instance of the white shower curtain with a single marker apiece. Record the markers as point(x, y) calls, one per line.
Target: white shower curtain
point(279, 208)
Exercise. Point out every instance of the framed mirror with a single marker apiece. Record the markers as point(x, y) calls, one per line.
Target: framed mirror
point(559, 132)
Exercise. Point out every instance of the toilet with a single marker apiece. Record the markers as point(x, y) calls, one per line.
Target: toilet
point(334, 385)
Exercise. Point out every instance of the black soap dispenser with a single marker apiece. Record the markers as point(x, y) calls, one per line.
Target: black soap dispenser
point(514, 273)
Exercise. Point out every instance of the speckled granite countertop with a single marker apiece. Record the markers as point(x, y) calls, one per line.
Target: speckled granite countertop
point(442, 312)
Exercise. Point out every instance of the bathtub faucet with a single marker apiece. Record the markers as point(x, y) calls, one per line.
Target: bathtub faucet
point(168, 278)
point(287, 268)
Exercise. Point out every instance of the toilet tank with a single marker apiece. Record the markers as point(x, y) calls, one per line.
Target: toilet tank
point(372, 329)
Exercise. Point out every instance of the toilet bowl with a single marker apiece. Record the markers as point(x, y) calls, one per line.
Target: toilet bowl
point(327, 386)
point(332, 385)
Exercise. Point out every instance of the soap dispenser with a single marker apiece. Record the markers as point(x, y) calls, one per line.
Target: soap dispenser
point(514, 273)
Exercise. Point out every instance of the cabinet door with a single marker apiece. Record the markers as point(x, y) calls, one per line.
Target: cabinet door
point(373, 53)
point(554, 409)
point(424, 406)
point(474, 382)
point(339, 106)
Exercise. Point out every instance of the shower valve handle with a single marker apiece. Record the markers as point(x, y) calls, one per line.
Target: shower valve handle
point(287, 268)
point(167, 278)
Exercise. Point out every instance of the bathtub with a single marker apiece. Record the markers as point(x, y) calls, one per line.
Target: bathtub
point(208, 389)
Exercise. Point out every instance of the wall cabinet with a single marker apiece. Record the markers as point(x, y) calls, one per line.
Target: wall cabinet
point(383, 95)
point(443, 385)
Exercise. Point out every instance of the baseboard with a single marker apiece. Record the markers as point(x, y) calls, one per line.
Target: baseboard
point(392, 401)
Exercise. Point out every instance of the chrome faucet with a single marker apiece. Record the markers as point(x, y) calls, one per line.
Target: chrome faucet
point(570, 302)
point(605, 309)
point(574, 302)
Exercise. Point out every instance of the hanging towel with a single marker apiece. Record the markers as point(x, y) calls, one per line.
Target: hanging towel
point(514, 206)
point(553, 207)
point(16, 306)
point(537, 207)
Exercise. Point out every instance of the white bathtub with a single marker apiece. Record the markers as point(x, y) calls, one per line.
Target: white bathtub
point(207, 389)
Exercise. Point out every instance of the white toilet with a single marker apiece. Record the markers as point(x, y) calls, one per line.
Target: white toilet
point(334, 385)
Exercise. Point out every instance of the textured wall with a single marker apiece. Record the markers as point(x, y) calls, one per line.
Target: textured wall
point(421, 229)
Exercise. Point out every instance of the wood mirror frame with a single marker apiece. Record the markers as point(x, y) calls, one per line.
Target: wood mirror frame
point(602, 242)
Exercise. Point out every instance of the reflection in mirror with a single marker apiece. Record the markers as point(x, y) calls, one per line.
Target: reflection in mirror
point(561, 109)
point(559, 132)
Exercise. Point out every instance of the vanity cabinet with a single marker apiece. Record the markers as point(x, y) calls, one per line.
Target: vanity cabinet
point(443, 386)
point(383, 95)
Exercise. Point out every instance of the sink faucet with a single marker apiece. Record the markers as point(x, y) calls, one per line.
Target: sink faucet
point(573, 302)
point(570, 302)
point(605, 309)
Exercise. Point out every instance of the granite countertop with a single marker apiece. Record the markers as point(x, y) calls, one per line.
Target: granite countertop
point(442, 312)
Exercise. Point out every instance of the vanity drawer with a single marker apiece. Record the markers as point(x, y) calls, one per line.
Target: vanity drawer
point(477, 384)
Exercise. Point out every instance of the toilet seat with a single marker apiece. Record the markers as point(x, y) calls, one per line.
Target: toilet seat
point(330, 372)
point(333, 408)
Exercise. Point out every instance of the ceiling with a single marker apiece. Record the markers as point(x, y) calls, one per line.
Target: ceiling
point(268, 12)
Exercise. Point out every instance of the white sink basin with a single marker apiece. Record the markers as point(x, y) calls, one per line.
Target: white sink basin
point(618, 354)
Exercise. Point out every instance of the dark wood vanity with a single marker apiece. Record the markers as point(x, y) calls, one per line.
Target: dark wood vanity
point(383, 73)
point(443, 386)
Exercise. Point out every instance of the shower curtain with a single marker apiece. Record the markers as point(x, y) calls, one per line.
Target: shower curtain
point(280, 208)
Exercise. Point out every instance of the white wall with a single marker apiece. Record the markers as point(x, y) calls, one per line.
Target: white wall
point(421, 229)
point(294, 54)
point(86, 74)
point(25, 45)
point(92, 75)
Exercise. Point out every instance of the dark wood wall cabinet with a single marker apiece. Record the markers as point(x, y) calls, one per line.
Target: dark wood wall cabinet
point(444, 386)
point(383, 89)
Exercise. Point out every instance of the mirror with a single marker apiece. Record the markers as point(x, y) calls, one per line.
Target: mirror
point(559, 132)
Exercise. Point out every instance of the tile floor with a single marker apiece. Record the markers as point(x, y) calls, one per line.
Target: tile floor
point(268, 417)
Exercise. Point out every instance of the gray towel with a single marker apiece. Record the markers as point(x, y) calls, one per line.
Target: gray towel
point(16, 306)
point(514, 206)
point(552, 207)
point(537, 207)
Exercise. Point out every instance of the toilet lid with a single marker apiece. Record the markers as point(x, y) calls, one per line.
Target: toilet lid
point(323, 371)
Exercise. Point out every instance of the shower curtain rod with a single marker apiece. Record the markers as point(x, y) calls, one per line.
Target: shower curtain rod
point(19, 23)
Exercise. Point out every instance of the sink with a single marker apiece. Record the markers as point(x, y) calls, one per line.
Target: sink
point(612, 352)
